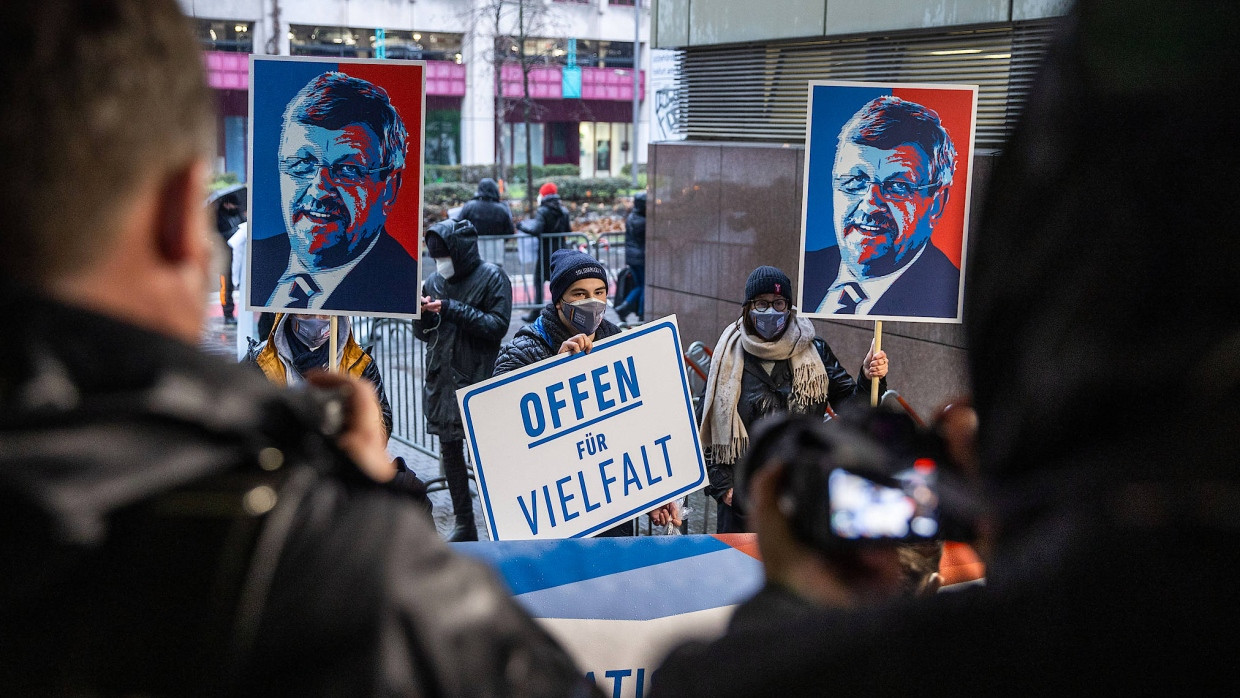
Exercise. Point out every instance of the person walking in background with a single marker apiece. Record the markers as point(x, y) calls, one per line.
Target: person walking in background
point(549, 224)
point(466, 307)
point(635, 258)
point(491, 218)
point(299, 344)
point(489, 214)
point(572, 323)
point(228, 217)
point(768, 360)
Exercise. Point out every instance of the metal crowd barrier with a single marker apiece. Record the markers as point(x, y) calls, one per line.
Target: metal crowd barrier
point(521, 254)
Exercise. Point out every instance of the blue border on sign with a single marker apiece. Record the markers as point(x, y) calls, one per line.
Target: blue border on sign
point(620, 340)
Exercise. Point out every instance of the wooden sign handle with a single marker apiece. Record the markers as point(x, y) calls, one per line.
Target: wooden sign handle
point(878, 346)
point(333, 366)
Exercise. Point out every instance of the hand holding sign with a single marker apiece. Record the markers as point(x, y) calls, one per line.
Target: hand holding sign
point(596, 435)
point(576, 343)
point(875, 363)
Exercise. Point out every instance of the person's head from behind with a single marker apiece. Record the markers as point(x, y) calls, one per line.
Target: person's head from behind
point(341, 158)
point(578, 290)
point(768, 304)
point(830, 519)
point(890, 182)
point(109, 120)
point(546, 190)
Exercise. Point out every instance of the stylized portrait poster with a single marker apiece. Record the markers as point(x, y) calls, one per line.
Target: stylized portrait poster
point(886, 200)
point(336, 179)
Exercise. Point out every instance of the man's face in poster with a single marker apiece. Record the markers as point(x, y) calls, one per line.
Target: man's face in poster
point(885, 205)
point(335, 191)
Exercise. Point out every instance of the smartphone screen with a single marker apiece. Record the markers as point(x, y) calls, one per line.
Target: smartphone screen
point(862, 509)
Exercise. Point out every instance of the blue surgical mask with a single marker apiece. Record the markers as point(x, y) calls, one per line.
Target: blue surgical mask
point(443, 265)
point(768, 323)
point(585, 315)
point(312, 331)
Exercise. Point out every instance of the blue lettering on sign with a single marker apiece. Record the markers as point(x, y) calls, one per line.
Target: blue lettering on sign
point(618, 676)
point(585, 484)
point(588, 394)
point(601, 388)
point(531, 409)
point(555, 404)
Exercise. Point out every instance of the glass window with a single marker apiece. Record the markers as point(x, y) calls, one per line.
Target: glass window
point(443, 136)
point(353, 42)
point(225, 35)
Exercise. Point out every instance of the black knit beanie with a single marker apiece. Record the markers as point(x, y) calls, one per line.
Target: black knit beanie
point(570, 266)
point(767, 280)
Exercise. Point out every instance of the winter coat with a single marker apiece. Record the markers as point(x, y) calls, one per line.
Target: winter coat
point(541, 339)
point(763, 394)
point(549, 218)
point(487, 212)
point(274, 358)
point(635, 233)
point(165, 510)
point(463, 338)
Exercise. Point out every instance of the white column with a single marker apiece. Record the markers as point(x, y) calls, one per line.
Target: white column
point(478, 107)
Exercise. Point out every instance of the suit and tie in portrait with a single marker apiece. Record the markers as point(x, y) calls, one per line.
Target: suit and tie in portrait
point(885, 201)
point(336, 193)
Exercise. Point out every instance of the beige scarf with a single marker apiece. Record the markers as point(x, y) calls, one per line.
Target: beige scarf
point(722, 430)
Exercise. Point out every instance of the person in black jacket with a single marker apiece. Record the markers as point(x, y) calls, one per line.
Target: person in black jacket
point(635, 257)
point(490, 215)
point(466, 306)
point(175, 524)
point(1112, 520)
point(549, 223)
point(571, 324)
point(769, 360)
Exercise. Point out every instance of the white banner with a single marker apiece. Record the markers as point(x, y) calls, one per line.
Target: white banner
point(573, 445)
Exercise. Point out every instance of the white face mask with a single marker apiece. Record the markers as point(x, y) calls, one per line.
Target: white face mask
point(443, 265)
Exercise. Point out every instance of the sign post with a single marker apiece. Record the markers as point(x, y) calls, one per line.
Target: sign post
point(573, 445)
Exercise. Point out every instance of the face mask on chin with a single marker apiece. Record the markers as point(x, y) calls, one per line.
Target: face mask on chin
point(585, 315)
point(443, 265)
point(768, 323)
point(312, 331)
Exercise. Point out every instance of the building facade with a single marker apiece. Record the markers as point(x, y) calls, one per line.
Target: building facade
point(579, 57)
point(726, 188)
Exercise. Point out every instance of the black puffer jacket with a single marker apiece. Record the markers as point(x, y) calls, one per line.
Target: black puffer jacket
point(489, 215)
point(141, 542)
point(464, 337)
point(635, 233)
point(541, 339)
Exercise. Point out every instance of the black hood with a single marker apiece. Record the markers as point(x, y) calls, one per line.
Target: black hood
point(462, 241)
point(487, 190)
point(639, 203)
point(1101, 305)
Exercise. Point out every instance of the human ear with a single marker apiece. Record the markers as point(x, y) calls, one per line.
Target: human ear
point(181, 218)
point(939, 204)
point(390, 190)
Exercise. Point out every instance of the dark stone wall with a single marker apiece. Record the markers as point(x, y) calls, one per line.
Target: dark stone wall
point(718, 210)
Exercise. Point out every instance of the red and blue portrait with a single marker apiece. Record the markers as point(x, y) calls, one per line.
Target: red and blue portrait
point(336, 178)
point(885, 205)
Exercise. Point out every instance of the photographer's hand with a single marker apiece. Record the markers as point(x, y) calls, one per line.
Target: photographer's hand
point(362, 436)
